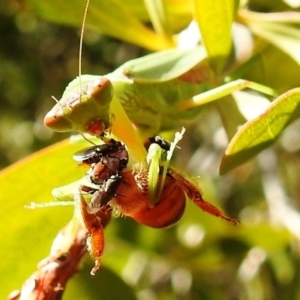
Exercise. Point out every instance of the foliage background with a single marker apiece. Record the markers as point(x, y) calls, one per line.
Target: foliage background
point(201, 257)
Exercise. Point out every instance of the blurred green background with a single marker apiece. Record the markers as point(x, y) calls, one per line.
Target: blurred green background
point(201, 257)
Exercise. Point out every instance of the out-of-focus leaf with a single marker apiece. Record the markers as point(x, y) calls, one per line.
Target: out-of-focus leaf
point(251, 105)
point(230, 114)
point(263, 235)
point(260, 133)
point(215, 20)
point(178, 12)
point(284, 37)
point(277, 29)
point(109, 17)
point(105, 285)
point(281, 17)
point(26, 234)
point(158, 15)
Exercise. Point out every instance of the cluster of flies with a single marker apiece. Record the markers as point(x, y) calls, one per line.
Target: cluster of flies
point(150, 192)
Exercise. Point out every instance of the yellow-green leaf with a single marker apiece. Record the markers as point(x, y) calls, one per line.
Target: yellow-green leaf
point(260, 133)
point(278, 29)
point(215, 20)
point(109, 17)
point(106, 283)
point(26, 234)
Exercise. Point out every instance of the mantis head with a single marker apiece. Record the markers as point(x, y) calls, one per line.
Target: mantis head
point(84, 106)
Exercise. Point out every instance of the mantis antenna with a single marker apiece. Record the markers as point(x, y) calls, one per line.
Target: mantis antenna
point(81, 42)
point(80, 47)
point(80, 54)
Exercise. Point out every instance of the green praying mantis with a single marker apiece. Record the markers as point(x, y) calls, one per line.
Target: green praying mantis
point(143, 97)
point(151, 94)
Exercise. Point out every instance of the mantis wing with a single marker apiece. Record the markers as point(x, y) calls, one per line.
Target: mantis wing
point(162, 66)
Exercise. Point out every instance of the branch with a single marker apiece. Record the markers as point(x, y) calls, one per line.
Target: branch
point(54, 271)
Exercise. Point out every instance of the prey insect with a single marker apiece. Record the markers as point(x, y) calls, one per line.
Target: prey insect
point(105, 160)
point(106, 163)
point(134, 199)
point(126, 192)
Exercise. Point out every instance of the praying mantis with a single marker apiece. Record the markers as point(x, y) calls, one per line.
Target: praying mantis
point(155, 93)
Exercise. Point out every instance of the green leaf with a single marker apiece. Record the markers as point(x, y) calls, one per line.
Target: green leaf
point(230, 115)
point(215, 20)
point(27, 234)
point(261, 132)
point(105, 285)
point(284, 37)
point(159, 17)
point(277, 29)
point(109, 17)
point(284, 17)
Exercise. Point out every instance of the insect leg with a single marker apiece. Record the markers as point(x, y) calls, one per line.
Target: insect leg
point(93, 225)
point(195, 195)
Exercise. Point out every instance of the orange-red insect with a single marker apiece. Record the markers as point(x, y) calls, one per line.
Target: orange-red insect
point(132, 199)
point(125, 191)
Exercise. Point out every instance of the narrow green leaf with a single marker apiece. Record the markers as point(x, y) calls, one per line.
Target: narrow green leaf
point(159, 17)
point(284, 37)
point(277, 28)
point(215, 20)
point(230, 115)
point(260, 133)
point(286, 17)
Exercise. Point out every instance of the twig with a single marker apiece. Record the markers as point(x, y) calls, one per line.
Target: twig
point(54, 271)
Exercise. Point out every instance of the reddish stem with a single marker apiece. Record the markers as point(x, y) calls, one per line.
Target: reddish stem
point(53, 272)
